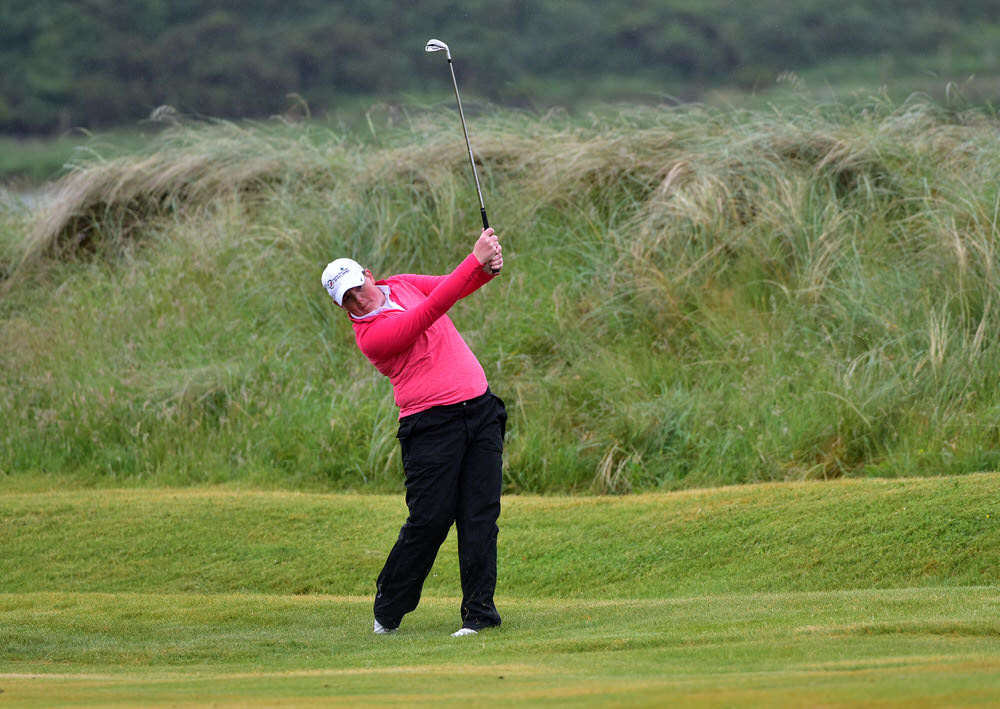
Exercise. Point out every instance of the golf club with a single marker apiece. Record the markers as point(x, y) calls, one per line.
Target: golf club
point(436, 45)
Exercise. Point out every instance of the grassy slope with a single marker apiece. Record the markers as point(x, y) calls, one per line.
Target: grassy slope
point(692, 297)
point(854, 593)
point(800, 537)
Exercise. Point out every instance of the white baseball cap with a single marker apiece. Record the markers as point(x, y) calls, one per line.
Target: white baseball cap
point(340, 276)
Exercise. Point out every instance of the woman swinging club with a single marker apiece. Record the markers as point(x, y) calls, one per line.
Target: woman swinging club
point(451, 427)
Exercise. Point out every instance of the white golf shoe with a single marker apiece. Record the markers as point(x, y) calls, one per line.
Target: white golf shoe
point(462, 632)
point(381, 630)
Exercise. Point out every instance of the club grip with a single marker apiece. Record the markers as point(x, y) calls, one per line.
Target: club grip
point(486, 225)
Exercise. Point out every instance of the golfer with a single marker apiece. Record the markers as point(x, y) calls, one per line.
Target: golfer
point(451, 427)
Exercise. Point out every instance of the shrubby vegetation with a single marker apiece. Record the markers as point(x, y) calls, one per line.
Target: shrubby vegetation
point(108, 63)
point(693, 296)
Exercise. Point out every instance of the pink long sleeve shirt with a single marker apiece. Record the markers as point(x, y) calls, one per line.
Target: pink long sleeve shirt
point(417, 347)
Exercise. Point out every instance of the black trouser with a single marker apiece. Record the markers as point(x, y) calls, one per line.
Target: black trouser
point(452, 459)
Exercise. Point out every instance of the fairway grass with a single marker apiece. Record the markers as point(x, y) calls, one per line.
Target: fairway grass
point(843, 594)
point(914, 648)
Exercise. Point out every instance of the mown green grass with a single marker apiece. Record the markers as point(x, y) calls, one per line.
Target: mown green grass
point(801, 537)
point(922, 648)
point(853, 593)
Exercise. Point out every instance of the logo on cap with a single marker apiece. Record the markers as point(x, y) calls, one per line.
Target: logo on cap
point(332, 282)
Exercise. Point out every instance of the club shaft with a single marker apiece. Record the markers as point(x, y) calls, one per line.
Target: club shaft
point(468, 145)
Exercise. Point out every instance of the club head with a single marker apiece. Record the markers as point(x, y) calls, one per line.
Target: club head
point(436, 45)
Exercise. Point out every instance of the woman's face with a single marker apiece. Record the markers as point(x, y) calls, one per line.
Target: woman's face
point(363, 299)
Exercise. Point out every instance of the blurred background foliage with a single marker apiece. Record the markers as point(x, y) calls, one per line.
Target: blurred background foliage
point(97, 64)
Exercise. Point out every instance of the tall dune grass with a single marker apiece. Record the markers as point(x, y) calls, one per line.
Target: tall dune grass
point(692, 297)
